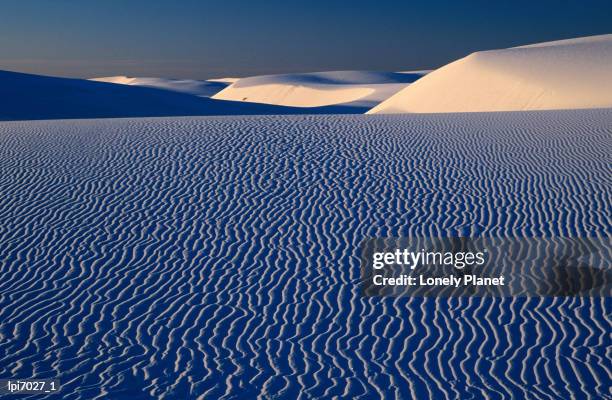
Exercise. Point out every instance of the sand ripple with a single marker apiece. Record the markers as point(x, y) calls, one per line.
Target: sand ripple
point(219, 257)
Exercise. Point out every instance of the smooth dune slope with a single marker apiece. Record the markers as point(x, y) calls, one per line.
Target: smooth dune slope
point(565, 74)
point(356, 89)
point(28, 97)
point(218, 257)
point(206, 88)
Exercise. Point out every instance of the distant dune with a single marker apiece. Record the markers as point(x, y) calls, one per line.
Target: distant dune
point(357, 89)
point(566, 74)
point(194, 87)
point(28, 97)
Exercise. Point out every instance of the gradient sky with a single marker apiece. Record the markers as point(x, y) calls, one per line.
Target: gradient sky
point(206, 39)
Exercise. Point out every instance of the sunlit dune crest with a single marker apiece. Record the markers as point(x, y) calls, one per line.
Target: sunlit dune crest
point(565, 74)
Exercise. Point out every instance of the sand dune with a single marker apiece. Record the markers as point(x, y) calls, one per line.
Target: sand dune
point(194, 87)
point(566, 74)
point(28, 97)
point(218, 257)
point(358, 89)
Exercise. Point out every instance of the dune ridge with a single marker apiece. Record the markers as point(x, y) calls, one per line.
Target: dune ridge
point(565, 74)
point(31, 97)
point(206, 88)
point(218, 257)
point(357, 89)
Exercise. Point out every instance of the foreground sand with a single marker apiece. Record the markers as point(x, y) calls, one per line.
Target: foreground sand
point(218, 257)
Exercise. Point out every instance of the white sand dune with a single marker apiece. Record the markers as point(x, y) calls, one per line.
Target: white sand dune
point(351, 88)
point(206, 88)
point(565, 74)
point(28, 97)
point(218, 257)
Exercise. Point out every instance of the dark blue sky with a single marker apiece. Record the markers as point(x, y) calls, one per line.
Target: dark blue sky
point(205, 39)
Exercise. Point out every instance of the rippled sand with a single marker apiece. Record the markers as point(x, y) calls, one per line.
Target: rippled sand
point(218, 257)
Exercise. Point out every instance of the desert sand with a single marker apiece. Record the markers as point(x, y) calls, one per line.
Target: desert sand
point(29, 96)
point(219, 256)
point(206, 88)
point(349, 88)
point(565, 74)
